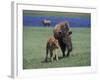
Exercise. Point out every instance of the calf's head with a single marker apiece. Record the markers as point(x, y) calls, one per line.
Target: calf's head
point(55, 43)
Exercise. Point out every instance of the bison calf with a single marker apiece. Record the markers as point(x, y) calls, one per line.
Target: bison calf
point(51, 48)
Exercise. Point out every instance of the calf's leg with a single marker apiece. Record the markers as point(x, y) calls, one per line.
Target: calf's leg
point(56, 54)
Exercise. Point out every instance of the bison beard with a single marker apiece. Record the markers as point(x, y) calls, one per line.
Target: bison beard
point(63, 34)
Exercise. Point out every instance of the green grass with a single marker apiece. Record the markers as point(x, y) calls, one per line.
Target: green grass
point(34, 43)
point(54, 13)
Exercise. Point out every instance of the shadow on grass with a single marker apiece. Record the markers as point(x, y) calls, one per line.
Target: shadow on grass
point(48, 61)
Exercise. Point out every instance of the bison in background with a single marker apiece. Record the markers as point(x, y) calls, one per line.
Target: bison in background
point(63, 33)
point(46, 22)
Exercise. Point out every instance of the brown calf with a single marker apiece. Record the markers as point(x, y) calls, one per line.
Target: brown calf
point(51, 48)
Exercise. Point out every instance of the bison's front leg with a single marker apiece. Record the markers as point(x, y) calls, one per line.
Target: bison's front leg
point(69, 50)
point(63, 48)
point(68, 53)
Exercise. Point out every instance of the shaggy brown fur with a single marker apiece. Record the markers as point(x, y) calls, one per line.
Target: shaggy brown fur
point(51, 47)
point(63, 33)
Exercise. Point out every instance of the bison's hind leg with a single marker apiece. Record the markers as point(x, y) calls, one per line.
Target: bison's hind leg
point(47, 52)
point(51, 55)
point(56, 54)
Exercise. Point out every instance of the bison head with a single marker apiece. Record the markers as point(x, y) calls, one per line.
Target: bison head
point(65, 35)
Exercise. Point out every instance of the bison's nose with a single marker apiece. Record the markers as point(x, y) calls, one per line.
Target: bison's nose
point(64, 40)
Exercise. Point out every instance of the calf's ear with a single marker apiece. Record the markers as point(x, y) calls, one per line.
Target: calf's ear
point(70, 32)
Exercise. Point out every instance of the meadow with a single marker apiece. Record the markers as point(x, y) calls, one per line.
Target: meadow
point(34, 48)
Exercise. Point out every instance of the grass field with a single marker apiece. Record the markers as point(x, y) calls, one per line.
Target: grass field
point(34, 44)
point(54, 13)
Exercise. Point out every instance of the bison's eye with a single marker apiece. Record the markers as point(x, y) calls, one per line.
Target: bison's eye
point(70, 32)
point(59, 33)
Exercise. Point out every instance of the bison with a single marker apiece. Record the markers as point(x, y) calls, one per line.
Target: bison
point(46, 22)
point(51, 47)
point(63, 33)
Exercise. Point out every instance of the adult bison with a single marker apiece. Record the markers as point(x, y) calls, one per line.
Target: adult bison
point(46, 22)
point(63, 33)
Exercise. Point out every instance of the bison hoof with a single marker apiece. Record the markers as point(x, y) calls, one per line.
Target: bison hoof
point(64, 56)
point(67, 55)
